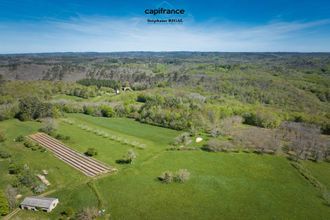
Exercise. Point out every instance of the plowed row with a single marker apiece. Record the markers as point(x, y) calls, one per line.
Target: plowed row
point(88, 166)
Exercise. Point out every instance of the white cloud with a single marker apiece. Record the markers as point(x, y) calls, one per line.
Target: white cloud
point(106, 34)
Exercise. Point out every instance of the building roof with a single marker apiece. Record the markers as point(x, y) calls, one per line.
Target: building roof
point(41, 202)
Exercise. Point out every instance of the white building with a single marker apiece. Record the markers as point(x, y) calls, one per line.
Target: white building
point(39, 203)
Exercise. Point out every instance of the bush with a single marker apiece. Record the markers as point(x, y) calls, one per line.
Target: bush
point(2, 136)
point(62, 137)
point(166, 177)
point(14, 168)
point(4, 206)
point(182, 176)
point(68, 212)
point(326, 197)
point(215, 145)
point(91, 152)
point(107, 111)
point(20, 138)
point(142, 98)
point(8, 111)
point(40, 188)
point(91, 110)
point(27, 178)
point(29, 144)
point(4, 154)
point(183, 139)
point(129, 158)
point(263, 119)
point(87, 214)
point(212, 145)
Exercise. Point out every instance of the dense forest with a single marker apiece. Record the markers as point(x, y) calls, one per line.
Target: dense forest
point(192, 92)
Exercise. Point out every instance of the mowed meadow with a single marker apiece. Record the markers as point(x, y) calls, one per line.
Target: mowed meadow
point(221, 186)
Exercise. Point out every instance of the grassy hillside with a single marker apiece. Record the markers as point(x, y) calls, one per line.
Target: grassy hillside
point(222, 185)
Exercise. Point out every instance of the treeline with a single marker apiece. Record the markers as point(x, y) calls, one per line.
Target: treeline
point(100, 83)
point(32, 100)
point(177, 108)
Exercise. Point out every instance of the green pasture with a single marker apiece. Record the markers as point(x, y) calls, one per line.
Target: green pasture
point(222, 185)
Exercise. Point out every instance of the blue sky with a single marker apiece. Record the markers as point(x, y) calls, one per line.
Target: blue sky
point(209, 25)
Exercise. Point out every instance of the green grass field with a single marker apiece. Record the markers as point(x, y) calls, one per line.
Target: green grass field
point(222, 185)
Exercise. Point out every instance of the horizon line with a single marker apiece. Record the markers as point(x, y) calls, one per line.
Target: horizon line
point(154, 51)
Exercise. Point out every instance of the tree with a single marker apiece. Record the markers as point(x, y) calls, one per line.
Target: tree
point(49, 126)
point(130, 156)
point(303, 139)
point(4, 206)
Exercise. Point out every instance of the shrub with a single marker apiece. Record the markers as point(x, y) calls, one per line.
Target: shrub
point(91, 152)
point(8, 111)
point(27, 178)
point(88, 213)
point(68, 212)
point(182, 176)
point(183, 138)
point(20, 138)
point(326, 197)
point(62, 137)
point(91, 110)
point(14, 168)
point(4, 154)
point(215, 145)
point(166, 177)
point(263, 119)
point(2, 136)
point(129, 158)
point(29, 144)
point(40, 188)
point(4, 206)
point(107, 111)
point(141, 98)
point(212, 145)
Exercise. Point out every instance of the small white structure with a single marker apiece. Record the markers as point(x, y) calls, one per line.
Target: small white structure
point(39, 203)
point(198, 139)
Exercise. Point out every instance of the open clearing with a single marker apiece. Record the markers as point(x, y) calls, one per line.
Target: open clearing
point(222, 185)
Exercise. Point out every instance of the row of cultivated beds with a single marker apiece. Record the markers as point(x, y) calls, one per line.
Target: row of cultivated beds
point(88, 166)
